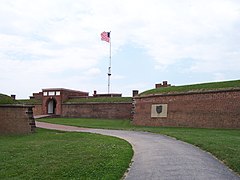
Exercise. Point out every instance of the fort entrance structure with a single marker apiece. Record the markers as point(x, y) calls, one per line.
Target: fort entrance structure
point(72, 103)
point(53, 98)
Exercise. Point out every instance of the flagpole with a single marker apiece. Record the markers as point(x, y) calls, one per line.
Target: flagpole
point(105, 36)
point(110, 59)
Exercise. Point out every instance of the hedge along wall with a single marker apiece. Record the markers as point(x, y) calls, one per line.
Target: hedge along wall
point(112, 110)
point(16, 119)
point(209, 109)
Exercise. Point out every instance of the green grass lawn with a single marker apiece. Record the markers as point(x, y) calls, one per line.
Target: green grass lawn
point(223, 143)
point(49, 154)
point(90, 123)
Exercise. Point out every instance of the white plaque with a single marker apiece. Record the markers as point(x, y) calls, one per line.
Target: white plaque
point(159, 110)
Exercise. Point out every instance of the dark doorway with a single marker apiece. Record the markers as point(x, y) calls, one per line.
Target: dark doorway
point(51, 106)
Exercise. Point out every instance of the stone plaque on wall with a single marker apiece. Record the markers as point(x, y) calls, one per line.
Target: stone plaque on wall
point(159, 110)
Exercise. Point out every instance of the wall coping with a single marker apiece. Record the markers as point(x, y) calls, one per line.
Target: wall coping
point(78, 103)
point(188, 93)
point(15, 105)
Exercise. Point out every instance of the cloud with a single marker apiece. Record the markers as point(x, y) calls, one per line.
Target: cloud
point(117, 76)
point(93, 72)
point(58, 38)
point(202, 31)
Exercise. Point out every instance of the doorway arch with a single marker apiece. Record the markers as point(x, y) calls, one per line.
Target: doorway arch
point(51, 106)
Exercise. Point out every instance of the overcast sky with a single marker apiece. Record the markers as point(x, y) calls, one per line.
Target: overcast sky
point(57, 44)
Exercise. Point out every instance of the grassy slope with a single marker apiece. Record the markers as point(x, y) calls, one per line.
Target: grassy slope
point(63, 155)
point(4, 99)
point(223, 143)
point(29, 101)
point(195, 87)
point(100, 99)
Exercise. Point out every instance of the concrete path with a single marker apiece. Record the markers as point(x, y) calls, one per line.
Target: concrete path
point(158, 157)
point(41, 116)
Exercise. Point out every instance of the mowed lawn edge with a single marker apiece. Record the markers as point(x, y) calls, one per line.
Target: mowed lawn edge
point(224, 144)
point(49, 154)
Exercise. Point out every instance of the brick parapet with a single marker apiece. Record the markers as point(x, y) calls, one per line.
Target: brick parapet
point(205, 109)
point(113, 110)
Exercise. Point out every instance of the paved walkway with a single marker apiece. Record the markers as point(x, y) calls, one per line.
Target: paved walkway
point(158, 157)
point(41, 116)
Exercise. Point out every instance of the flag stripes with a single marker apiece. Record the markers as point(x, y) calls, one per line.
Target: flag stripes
point(105, 36)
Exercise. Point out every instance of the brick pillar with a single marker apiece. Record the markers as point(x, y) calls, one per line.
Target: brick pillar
point(13, 96)
point(134, 93)
point(31, 119)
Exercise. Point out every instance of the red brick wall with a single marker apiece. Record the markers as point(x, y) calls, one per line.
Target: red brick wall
point(212, 109)
point(37, 109)
point(16, 119)
point(68, 93)
point(37, 95)
point(98, 110)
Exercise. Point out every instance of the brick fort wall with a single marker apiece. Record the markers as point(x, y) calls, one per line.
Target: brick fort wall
point(16, 119)
point(212, 109)
point(98, 110)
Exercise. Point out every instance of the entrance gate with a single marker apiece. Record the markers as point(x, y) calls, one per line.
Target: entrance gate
point(51, 108)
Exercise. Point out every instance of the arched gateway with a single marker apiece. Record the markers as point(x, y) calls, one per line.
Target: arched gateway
point(51, 106)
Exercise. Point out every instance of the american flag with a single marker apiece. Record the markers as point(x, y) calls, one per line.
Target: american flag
point(105, 36)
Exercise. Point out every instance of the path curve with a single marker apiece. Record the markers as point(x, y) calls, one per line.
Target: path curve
point(161, 157)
